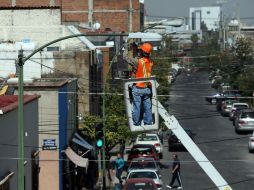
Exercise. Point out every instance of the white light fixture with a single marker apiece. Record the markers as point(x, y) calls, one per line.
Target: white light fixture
point(15, 81)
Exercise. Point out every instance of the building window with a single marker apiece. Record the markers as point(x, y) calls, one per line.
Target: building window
point(56, 48)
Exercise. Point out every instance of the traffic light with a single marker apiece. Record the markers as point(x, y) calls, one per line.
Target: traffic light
point(99, 135)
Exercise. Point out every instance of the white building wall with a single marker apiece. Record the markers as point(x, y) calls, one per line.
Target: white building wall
point(30, 17)
point(210, 16)
point(29, 30)
point(32, 68)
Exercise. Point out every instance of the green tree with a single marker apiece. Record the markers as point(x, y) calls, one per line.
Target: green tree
point(243, 50)
point(194, 40)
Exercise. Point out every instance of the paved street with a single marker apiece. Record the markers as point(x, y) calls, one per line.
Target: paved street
point(215, 137)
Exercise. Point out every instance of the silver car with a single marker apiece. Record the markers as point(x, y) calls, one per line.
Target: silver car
point(146, 173)
point(227, 106)
point(244, 121)
point(251, 143)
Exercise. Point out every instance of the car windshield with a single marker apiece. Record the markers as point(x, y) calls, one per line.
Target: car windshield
point(230, 102)
point(139, 186)
point(248, 115)
point(147, 138)
point(143, 174)
point(142, 164)
point(142, 150)
point(241, 106)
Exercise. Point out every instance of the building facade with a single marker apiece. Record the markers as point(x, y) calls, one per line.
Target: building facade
point(58, 111)
point(112, 15)
point(9, 142)
point(209, 16)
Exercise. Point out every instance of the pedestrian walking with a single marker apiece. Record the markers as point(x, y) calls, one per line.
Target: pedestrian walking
point(119, 167)
point(176, 167)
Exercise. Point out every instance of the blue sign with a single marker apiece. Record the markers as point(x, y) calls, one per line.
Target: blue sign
point(49, 144)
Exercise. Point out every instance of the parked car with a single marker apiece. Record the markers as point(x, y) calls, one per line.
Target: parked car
point(251, 143)
point(146, 173)
point(212, 99)
point(221, 96)
point(226, 107)
point(236, 106)
point(152, 139)
point(244, 121)
point(144, 163)
point(140, 184)
point(174, 143)
point(238, 111)
point(144, 151)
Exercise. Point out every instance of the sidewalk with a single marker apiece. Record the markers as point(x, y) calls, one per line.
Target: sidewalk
point(111, 183)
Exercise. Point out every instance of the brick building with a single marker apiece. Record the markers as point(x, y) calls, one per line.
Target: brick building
point(114, 15)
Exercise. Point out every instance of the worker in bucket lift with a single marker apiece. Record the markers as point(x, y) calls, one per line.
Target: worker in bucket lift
point(141, 91)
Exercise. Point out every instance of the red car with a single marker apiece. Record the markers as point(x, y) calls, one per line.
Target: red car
point(143, 150)
point(140, 184)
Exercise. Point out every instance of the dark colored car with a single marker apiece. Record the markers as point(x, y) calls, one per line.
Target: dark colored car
point(139, 184)
point(144, 163)
point(143, 150)
point(175, 144)
point(225, 95)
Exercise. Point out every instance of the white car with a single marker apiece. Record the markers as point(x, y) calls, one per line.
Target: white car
point(152, 139)
point(236, 106)
point(146, 173)
point(251, 143)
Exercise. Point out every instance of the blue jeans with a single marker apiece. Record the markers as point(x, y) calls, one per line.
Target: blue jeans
point(141, 97)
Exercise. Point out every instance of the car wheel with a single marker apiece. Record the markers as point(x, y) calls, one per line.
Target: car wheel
point(213, 101)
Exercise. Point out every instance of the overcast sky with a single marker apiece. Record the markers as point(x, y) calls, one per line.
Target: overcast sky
point(180, 8)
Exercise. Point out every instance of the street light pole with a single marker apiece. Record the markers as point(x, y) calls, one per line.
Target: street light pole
point(20, 63)
point(20, 122)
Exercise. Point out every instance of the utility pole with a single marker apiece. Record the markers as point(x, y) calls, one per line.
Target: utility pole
point(130, 11)
point(238, 20)
point(90, 13)
point(21, 177)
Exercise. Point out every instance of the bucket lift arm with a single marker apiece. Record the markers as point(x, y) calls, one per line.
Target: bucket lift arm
point(172, 124)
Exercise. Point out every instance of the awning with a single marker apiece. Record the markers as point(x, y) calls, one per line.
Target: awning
point(76, 159)
point(80, 141)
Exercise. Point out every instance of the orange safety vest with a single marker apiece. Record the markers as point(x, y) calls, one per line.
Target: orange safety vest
point(144, 70)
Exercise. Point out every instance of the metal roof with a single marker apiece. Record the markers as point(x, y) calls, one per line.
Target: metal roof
point(147, 36)
point(10, 102)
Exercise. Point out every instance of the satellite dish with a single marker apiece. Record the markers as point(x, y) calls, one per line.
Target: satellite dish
point(96, 26)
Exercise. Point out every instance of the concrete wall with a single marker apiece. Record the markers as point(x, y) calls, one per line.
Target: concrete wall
point(9, 137)
point(79, 66)
point(112, 14)
point(32, 68)
point(30, 17)
point(37, 25)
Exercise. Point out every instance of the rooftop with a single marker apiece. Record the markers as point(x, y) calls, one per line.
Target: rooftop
point(10, 102)
point(48, 83)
